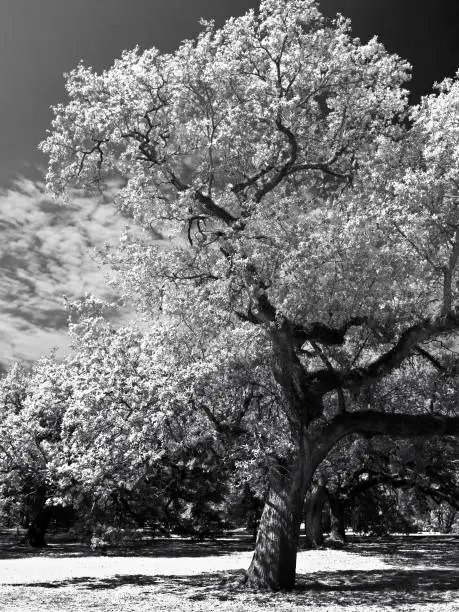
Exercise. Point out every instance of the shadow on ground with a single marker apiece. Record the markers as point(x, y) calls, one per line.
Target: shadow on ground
point(401, 550)
point(410, 550)
point(421, 571)
point(59, 545)
point(345, 588)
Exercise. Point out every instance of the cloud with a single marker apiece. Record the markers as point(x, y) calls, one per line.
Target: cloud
point(47, 251)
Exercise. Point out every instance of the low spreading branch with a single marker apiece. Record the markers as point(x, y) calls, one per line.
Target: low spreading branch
point(325, 381)
point(372, 423)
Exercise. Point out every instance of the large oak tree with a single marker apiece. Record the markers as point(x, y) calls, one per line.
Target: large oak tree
point(309, 221)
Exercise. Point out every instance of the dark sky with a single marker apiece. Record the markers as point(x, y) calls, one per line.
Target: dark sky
point(41, 39)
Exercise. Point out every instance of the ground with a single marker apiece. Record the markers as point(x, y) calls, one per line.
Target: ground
point(397, 574)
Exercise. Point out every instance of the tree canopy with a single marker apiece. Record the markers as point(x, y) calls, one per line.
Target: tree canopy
point(309, 233)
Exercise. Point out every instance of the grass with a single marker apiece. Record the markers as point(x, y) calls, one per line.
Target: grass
point(397, 574)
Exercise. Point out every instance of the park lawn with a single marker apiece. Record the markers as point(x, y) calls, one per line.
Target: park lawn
point(399, 574)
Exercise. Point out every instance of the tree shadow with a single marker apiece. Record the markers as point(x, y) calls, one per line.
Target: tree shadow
point(344, 588)
point(218, 585)
point(424, 574)
point(62, 546)
point(378, 587)
point(410, 550)
point(404, 550)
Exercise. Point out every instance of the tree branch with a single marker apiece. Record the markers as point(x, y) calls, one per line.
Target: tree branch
point(265, 312)
point(213, 209)
point(319, 332)
point(429, 357)
point(373, 423)
point(408, 342)
point(293, 154)
point(330, 368)
point(397, 481)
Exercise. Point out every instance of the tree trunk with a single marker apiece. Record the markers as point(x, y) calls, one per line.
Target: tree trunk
point(314, 505)
point(273, 564)
point(337, 533)
point(36, 531)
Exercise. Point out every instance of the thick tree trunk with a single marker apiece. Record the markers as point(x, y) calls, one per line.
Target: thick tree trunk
point(36, 531)
point(337, 533)
point(273, 564)
point(314, 505)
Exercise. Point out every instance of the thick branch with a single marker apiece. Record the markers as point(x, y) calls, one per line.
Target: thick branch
point(209, 205)
point(372, 423)
point(251, 180)
point(407, 344)
point(319, 332)
point(265, 312)
point(397, 481)
point(330, 368)
point(213, 209)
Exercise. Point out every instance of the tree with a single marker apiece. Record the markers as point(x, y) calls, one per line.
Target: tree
point(359, 475)
point(95, 433)
point(130, 450)
point(32, 404)
point(381, 485)
point(310, 223)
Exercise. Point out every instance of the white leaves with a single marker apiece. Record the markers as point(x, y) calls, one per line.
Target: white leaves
point(273, 155)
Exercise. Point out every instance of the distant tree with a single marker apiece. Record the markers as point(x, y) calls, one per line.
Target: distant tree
point(379, 483)
point(311, 234)
point(32, 404)
point(92, 434)
point(397, 485)
point(126, 455)
point(136, 446)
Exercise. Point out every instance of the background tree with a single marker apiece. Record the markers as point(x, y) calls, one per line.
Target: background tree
point(139, 444)
point(32, 405)
point(307, 227)
point(359, 474)
point(127, 455)
point(381, 486)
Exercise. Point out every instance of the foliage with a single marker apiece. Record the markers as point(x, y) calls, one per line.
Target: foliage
point(95, 433)
point(32, 405)
point(276, 145)
point(309, 250)
point(386, 485)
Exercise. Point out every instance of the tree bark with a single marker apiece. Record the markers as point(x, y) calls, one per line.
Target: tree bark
point(38, 526)
point(337, 533)
point(314, 504)
point(395, 425)
point(273, 564)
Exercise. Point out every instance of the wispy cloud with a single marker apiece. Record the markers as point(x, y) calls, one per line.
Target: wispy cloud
point(47, 250)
